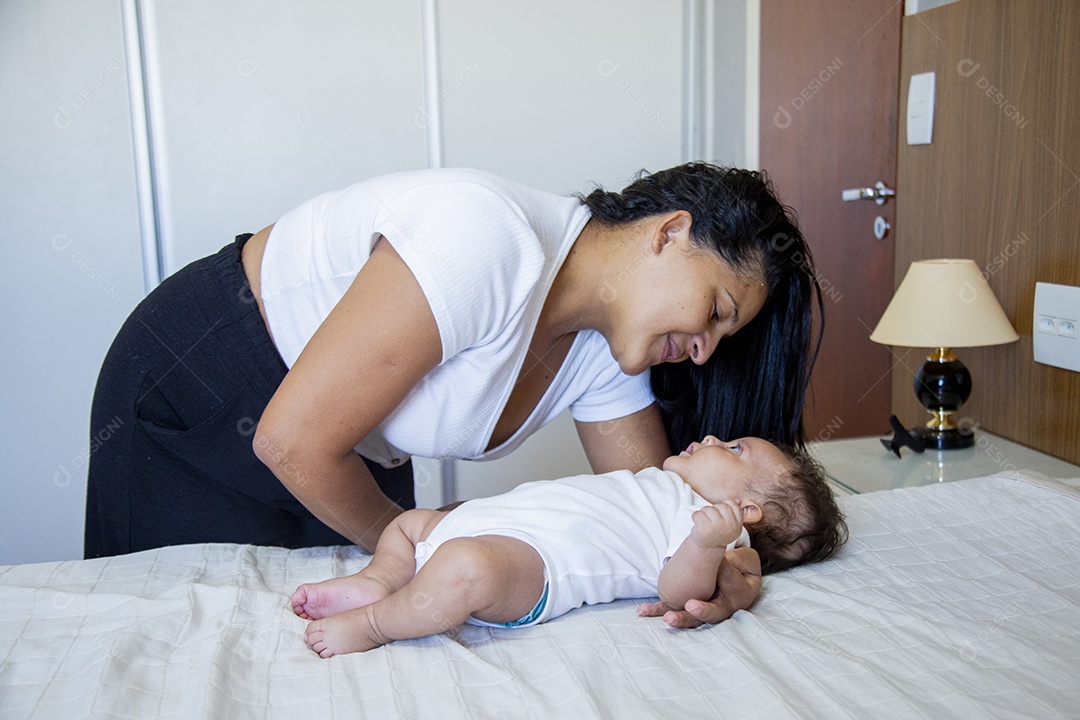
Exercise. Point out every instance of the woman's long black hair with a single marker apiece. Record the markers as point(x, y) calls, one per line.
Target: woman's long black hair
point(755, 383)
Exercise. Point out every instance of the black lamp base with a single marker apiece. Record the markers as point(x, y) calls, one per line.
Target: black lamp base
point(942, 385)
point(949, 439)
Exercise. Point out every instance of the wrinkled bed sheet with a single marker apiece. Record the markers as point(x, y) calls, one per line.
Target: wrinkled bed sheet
point(955, 600)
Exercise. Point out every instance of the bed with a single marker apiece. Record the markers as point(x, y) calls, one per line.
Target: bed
point(954, 600)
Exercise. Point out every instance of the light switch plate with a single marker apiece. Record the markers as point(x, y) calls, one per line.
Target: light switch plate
point(1055, 329)
point(920, 109)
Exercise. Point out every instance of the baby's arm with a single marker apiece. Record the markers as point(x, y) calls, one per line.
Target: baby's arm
point(693, 570)
point(738, 585)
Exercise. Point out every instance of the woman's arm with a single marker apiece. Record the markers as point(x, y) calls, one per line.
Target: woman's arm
point(372, 349)
point(631, 443)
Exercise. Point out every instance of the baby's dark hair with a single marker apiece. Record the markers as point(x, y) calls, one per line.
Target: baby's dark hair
point(802, 522)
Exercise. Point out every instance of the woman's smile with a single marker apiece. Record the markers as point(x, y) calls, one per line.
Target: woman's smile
point(683, 301)
point(671, 350)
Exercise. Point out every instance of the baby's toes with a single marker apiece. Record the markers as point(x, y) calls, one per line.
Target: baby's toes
point(315, 637)
point(314, 634)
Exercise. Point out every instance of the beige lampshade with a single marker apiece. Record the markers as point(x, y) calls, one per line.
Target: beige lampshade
point(944, 303)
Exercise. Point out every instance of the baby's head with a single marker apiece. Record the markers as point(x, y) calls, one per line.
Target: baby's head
point(788, 508)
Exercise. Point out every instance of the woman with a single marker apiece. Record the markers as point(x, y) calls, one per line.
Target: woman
point(272, 393)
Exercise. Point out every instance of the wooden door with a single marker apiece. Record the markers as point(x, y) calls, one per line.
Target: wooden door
point(829, 78)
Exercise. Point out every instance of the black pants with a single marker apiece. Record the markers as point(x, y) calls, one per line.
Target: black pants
point(177, 401)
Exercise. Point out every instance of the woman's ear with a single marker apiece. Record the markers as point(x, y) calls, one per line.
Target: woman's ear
point(672, 226)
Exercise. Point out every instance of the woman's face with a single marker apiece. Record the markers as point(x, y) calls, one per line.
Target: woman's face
point(680, 301)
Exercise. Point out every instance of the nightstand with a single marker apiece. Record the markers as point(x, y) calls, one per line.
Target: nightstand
point(862, 465)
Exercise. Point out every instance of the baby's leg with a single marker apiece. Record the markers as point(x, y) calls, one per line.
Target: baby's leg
point(493, 578)
point(392, 566)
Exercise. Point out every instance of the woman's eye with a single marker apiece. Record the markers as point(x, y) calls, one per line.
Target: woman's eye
point(715, 315)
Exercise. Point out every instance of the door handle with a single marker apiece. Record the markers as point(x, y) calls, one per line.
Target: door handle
point(879, 193)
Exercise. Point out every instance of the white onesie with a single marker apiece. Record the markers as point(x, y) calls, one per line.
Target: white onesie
point(601, 537)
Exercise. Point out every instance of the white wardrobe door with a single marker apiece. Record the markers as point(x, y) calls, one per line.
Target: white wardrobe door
point(558, 95)
point(561, 94)
point(72, 257)
point(263, 105)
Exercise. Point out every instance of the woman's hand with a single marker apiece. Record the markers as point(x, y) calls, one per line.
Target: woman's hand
point(738, 585)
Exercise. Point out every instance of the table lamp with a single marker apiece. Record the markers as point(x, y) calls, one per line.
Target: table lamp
point(943, 304)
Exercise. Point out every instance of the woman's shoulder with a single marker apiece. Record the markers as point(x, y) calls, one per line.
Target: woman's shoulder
point(472, 191)
point(434, 182)
point(602, 391)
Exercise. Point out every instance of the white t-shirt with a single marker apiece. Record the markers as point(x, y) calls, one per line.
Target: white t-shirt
point(602, 537)
point(485, 252)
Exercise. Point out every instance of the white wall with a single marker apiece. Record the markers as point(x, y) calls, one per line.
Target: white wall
point(254, 107)
point(264, 105)
point(73, 268)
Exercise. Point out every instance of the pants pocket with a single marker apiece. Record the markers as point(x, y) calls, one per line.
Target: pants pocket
point(215, 445)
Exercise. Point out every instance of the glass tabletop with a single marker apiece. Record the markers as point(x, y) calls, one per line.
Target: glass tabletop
point(862, 465)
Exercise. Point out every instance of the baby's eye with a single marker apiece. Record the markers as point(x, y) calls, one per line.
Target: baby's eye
point(735, 448)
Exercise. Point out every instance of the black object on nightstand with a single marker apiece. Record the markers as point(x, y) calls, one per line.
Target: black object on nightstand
point(902, 438)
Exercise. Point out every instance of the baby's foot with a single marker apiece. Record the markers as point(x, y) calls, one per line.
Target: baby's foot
point(352, 631)
point(330, 597)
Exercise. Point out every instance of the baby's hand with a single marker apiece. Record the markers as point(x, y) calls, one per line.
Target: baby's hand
point(716, 525)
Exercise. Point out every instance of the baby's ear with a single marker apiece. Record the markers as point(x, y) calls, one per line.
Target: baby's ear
point(751, 513)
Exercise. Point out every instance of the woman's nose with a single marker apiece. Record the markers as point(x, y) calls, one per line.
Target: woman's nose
point(702, 347)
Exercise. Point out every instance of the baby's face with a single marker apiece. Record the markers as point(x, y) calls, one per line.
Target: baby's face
point(720, 471)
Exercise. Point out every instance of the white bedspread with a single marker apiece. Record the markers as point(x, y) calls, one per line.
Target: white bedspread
point(957, 600)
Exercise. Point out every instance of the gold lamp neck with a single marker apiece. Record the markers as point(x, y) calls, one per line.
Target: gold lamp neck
point(941, 354)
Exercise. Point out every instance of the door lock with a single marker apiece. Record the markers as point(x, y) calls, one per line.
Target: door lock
point(881, 227)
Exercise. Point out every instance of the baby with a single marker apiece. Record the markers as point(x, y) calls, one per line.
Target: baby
point(547, 547)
